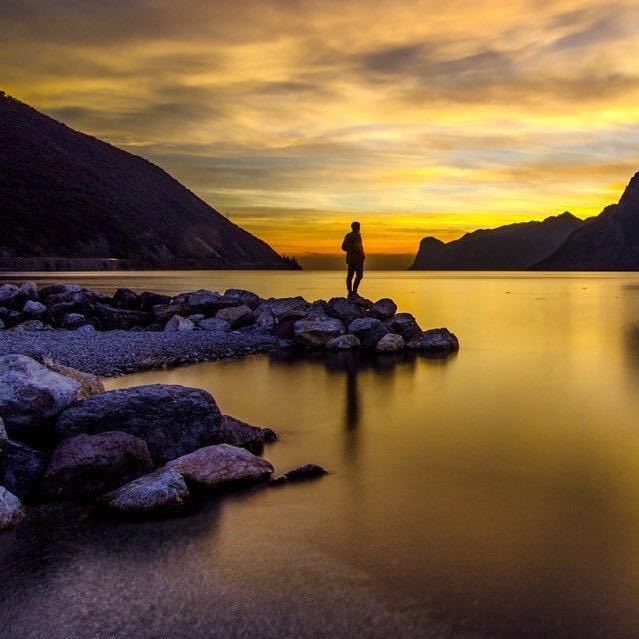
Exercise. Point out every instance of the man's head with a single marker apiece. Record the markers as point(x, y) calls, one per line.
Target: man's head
point(355, 226)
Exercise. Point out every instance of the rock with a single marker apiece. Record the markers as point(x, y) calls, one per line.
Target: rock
point(89, 384)
point(21, 469)
point(147, 301)
point(404, 324)
point(303, 473)
point(238, 433)
point(109, 317)
point(164, 312)
point(317, 309)
point(344, 309)
point(265, 321)
point(201, 301)
point(163, 492)
point(31, 395)
point(89, 328)
point(28, 290)
point(31, 325)
point(286, 307)
point(196, 318)
point(390, 343)
point(346, 342)
point(435, 341)
point(126, 298)
point(369, 330)
point(216, 466)
point(317, 332)
point(250, 299)
point(34, 309)
point(90, 465)
point(11, 510)
point(178, 324)
point(9, 295)
point(71, 321)
point(60, 291)
point(4, 438)
point(214, 324)
point(173, 420)
point(383, 309)
point(236, 316)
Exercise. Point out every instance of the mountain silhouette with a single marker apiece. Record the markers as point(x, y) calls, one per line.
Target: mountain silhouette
point(510, 247)
point(70, 200)
point(608, 242)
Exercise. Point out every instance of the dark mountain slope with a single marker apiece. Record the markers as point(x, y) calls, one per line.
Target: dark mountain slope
point(608, 242)
point(65, 194)
point(510, 247)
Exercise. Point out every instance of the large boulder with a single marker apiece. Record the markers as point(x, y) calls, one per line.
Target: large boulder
point(346, 342)
point(301, 473)
point(31, 395)
point(71, 321)
point(11, 510)
point(29, 290)
point(317, 332)
point(390, 343)
point(286, 307)
point(34, 309)
point(58, 292)
point(216, 466)
point(173, 420)
point(238, 433)
point(383, 309)
point(31, 325)
point(21, 469)
point(10, 295)
point(214, 324)
point(250, 299)
point(404, 324)
point(163, 492)
point(436, 341)
point(369, 330)
point(126, 298)
point(344, 309)
point(147, 300)
point(89, 384)
point(178, 324)
point(236, 316)
point(265, 321)
point(90, 465)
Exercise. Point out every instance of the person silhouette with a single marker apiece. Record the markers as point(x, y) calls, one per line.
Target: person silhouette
point(354, 249)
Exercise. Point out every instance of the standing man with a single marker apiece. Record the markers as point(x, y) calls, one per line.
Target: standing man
point(354, 249)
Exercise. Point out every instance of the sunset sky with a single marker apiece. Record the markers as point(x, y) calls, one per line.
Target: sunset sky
point(292, 117)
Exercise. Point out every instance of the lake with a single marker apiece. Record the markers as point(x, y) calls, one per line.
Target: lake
point(494, 493)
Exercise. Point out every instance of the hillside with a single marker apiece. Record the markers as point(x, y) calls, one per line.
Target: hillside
point(69, 200)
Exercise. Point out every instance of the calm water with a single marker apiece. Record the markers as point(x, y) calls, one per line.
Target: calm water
point(495, 492)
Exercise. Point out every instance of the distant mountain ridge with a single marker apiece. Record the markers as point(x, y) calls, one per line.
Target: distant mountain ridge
point(608, 242)
point(67, 199)
point(511, 247)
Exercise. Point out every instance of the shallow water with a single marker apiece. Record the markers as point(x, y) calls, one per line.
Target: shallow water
point(496, 491)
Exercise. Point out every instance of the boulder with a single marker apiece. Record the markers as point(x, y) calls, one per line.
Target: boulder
point(126, 298)
point(404, 324)
point(164, 312)
point(207, 302)
point(173, 420)
point(28, 290)
point(34, 309)
point(11, 510)
point(383, 309)
point(369, 330)
point(31, 325)
point(344, 309)
point(303, 473)
point(265, 321)
point(318, 308)
point(214, 324)
point(216, 466)
point(178, 324)
point(31, 395)
point(236, 316)
point(317, 332)
point(250, 299)
point(21, 469)
point(435, 341)
point(89, 384)
point(109, 317)
point(196, 318)
point(346, 342)
point(286, 307)
point(390, 343)
point(10, 295)
point(71, 321)
point(238, 433)
point(163, 492)
point(90, 465)
point(89, 328)
point(59, 291)
point(147, 301)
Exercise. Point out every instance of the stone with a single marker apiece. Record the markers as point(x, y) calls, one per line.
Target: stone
point(173, 420)
point(216, 466)
point(89, 328)
point(31, 325)
point(60, 291)
point(34, 309)
point(344, 309)
point(404, 324)
point(147, 300)
point(236, 316)
point(436, 341)
point(31, 395)
point(250, 299)
point(90, 465)
point(369, 330)
point(196, 318)
point(238, 433)
point(317, 332)
point(317, 309)
point(109, 317)
point(21, 469)
point(265, 321)
point(4, 438)
point(346, 342)
point(11, 510)
point(201, 301)
point(383, 309)
point(286, 307)
point(28, 290)
point(89, 384)
point(71, 321)
point(164, 312)
point(303, 473)
point(178, 324)
point(9, 295)
point(163, 492)
point(214, 324)
point(126, 298)
point(390, 343)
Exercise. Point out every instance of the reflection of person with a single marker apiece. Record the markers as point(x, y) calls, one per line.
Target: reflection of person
point(354, 249)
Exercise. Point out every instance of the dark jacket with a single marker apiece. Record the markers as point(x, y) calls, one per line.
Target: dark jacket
point(353, 247)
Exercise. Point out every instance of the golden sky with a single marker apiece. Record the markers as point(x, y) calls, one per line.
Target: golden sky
point(293, 117)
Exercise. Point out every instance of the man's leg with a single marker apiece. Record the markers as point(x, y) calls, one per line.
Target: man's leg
point(349, 279)
point(359, 274)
